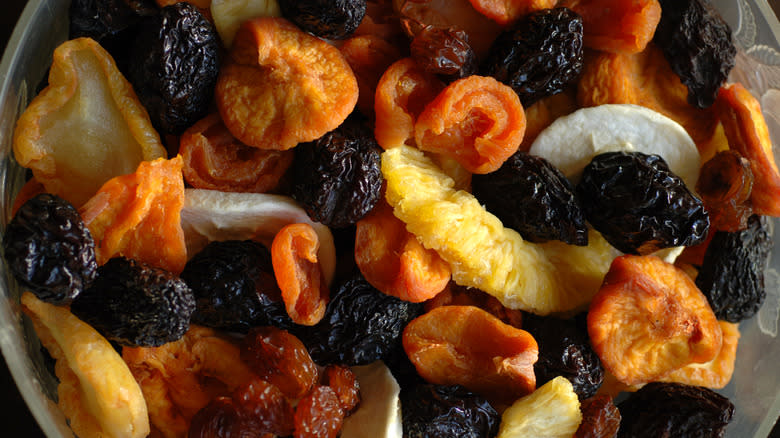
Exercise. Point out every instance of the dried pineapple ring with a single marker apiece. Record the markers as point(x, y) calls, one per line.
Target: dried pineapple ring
point(546, 278)
point(86, 127)
point(553, 410)
point(97, 392)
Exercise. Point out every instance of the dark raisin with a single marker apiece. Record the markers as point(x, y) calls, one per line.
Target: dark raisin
point(674, 409)
point(263, 408)
point(451, 411)
point(696, 41)
point(732, 273)
point(49, 249)
point(174, 65)
point(361, 325)
point(218, 419)
point(639, 205)
point(600, 418)
point(135, 304)
point(444, 52)
point(330, 19)
point(337, 177)
point(318, 414)
point(533, 197)
point(538, 56)
point(725, 185)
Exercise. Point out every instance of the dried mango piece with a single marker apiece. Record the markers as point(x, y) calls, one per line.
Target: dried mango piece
point(368, 56)
point(138, 216)
point(543, 278)
point(97, 392)
point(552, 411)
point(506, 11)
point(283, 86)
point(716, 373)
point(86, 127)
point(619, 26)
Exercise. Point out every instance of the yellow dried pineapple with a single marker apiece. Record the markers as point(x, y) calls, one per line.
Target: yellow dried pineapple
point(553, 410)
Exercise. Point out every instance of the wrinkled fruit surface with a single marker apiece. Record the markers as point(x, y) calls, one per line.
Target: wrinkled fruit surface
point(452, 411)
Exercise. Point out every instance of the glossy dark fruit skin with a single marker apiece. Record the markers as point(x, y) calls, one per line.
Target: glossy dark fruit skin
point(447, 411)
point(444, 52)
point(234, 286)
point(361, 325)
point(538, 56)
point(533, 197)
point(639, 205)
point(674, 409)
point(697, 42)
point(732, 273)
point(329, 19)
point(135, 304)
point(600, 418)
point(174, 64)
point(337, 177)
point(49, 249)
point(564, 350)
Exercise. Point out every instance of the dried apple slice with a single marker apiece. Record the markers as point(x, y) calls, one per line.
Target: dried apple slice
point(86, 127)
point(649, 319)
point(552, 411)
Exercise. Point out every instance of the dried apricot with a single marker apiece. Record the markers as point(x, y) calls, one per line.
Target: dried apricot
point(477, 120)
point(465, 345)
point(368, 56)
point(617, 26)
point(282, 86)
point(28, 191)
point(86, 127)
point(649, 319)
point(214, 159)
point(506, 11)
point(545, 111)
point(455, 295)
point(716, 373)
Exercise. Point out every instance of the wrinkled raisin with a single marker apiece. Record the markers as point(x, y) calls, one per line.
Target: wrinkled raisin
point(452, 411)
point(639, 205)
point(444, 52)
point(540, 55)
point(263, 408)
point(531, 196)
point(600, 418)
point(674, 409)
point(218, 419)
point(135, 304)
point(334, 20)
point(49, 249)
point(344, 383)
point(725, 185)
point(337, 177)
point(696, 41)
point(732, 273)
point(318, 414)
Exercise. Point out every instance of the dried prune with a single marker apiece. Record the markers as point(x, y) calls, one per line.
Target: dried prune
point(696, 41)
point(533, 197)
point(361, 325)
point(564, 350)
point(453, 411)
point(539, 55)
point(335, 20)
point(600, 418)
point(136, 304)
point(174, 63)
point(732, 273)
point(49, 249)
point(674, 409)
point(234, 287)
point(337, 177)
point(444, 52)
point(639, 205)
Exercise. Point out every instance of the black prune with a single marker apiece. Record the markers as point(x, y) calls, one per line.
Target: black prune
point(337, 177)
point(361, 325)
point(330, 19)
point(174, 64)
point(732, 272)
point(639, 205)
point(447, 411)
point(533, 197)
point(674, 409)
point(49, 249)
point(538, 56)
point(564, 350)
point(696, 41)
point(444, 52)
point(234, 286)
point(135, 304)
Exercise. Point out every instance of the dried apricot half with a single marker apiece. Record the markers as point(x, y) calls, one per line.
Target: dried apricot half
point(619, 26)
point(506, 11)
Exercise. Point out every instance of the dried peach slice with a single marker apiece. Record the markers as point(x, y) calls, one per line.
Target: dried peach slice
point(283, 86)
point(649, 319)
point(86, 127)
point(620, 26)
point(97, 392)
point(716, 373)
point(506, 11)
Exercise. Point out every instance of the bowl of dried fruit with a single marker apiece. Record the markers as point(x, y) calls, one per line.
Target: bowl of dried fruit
point(392, 218)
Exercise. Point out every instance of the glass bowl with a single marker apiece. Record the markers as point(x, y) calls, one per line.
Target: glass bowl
point(755, 386)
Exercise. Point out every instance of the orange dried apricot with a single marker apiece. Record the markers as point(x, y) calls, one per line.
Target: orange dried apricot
point(716, 373)
point(86, 127)
point(214, 159)
point(649, 319)
point(28, 191)
point(506, 11)
point(465, 345)
point(477, 120)
point(368, 56)
point(138, 216)
point(620, 26)
point(392, 259)
point(296, 268)
point(456, 295)
point(545, 111)
point(282, 86)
